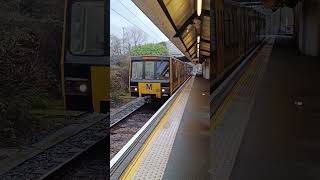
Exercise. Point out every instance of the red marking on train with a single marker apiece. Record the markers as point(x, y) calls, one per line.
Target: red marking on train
point(150, 57)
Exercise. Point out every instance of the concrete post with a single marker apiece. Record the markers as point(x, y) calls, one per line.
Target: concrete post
point(282, 21)
point(206, 69)
point(309, 35)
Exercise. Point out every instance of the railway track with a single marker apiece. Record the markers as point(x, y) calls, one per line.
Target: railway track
point(123, 131)
point(91, 164)
point(94, 164)
point(85, 154)
point(55, 159)
point(124, 111)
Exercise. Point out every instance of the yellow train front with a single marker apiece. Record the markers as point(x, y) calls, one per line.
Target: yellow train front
point(157, 76)
point(85, 51)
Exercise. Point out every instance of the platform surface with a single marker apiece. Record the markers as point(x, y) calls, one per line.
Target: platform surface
point(179, 143)
point(229, 122)
point(282, 139)
point(189, 158)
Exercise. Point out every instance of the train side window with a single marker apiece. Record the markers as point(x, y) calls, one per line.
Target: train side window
point(231, 27)
point(180, 70)
point(227, 22)
point(149, 70)
point(137, 70)
point(87, 28)
point(174, 74)
point(162, 70)
point(226, 28)
point(77, 29)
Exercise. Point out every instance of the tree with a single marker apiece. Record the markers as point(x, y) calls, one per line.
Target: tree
point(131, 37)
point(115, 46)
point(24, 78)
point(137, 36)
point(26, 6)
point(149, 50)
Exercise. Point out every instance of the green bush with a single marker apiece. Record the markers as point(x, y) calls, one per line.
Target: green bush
point(149, 50)
point(23, 79)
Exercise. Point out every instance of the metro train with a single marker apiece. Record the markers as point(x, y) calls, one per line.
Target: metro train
point(84, 60)
point(157, 76)
point(238, 30)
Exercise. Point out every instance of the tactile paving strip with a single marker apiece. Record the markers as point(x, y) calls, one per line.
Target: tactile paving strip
point(157, 151)
point(231, 118)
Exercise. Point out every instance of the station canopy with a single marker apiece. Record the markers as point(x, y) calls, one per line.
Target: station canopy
point(180, 21)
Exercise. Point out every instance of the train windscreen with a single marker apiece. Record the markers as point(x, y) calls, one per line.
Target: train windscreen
point(137, 70)
point(162, 70)
point(87, 28)
point(150, 70)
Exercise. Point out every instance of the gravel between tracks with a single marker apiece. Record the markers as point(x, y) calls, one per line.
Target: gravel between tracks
point(52, 157)
point(92, 165)
point(121, 133)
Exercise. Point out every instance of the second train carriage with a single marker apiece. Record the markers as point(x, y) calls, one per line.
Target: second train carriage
point(157, 76)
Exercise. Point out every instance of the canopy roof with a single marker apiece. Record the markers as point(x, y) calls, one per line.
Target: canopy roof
point(179, 21)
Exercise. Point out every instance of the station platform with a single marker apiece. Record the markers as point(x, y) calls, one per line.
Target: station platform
point(178, 146)
point(268, 127)
point(282, 139)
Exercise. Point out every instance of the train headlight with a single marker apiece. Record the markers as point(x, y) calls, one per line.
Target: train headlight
point(134, 89)
point(77, 86)
point(165, 90)
point(83, 88)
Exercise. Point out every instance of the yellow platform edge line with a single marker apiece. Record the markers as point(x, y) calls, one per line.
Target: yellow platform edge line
point(132, 168)
point(234, 90)
point(249, 69)
point(221, 110)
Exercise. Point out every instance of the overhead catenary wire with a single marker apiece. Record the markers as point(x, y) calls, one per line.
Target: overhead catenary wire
point(137, 17)
point(133, 24)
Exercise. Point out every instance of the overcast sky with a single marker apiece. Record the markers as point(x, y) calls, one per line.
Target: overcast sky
point(132, 16)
